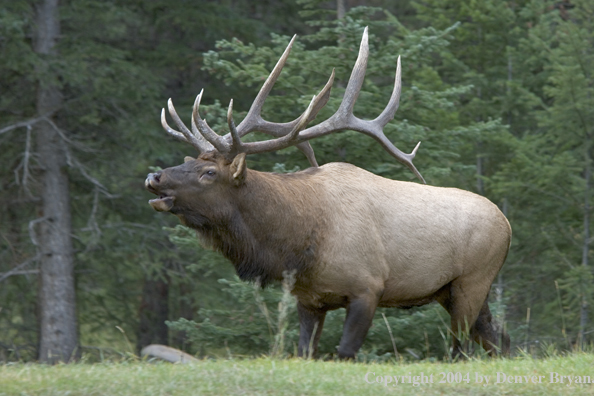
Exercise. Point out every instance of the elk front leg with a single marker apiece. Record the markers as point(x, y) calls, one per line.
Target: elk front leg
point(359, 316)
point(311, 322)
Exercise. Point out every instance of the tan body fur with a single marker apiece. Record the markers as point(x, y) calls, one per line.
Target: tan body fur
point(402, 241)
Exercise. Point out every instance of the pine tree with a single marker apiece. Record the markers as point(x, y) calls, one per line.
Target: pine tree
point(549, 180)
point(57, 132)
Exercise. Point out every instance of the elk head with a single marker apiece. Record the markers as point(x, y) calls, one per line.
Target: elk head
point(207, 177)
point(225, 155)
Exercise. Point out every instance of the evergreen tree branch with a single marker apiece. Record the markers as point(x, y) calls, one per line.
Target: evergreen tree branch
point(18, 269)
point(27, 124)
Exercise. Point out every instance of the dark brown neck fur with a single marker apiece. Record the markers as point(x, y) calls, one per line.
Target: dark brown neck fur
point(268, 227)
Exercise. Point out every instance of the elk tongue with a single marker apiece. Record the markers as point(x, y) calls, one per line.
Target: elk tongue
point(162, 204)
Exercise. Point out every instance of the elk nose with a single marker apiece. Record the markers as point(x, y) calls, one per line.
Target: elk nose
point(153, 179)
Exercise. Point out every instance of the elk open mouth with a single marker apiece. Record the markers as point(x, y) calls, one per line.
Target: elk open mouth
point(162, 204)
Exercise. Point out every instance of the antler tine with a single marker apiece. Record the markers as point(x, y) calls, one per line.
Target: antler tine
point(355, 83)
point(237, 144)
point(306, 149)
point(372, 128)
point(375, 128)
point(305, 118)
point(171, 131)
point(284, 141)
point(253, 117)
point(185, 135)
point(281, 129)
point(315, 105)
point(200, 127)
point(403, 158)
point(386, 116)
point(322, 98)
point(388, 113)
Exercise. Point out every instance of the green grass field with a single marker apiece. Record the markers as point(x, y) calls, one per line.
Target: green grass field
point(300, 377)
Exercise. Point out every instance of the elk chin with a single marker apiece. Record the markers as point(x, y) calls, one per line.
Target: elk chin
point(162, 204)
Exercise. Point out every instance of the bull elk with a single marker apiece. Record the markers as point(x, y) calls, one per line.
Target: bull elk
point(353, 240)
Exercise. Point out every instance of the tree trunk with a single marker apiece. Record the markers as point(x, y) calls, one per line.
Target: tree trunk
point(179, 339)
point(586, 244)
point(58, 330)
point(154, 311)
point(340, 9)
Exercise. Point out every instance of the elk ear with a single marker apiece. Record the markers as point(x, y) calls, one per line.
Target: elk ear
point(188, 159)
point(238, 169)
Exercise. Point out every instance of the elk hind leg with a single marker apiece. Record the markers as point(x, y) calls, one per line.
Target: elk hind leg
point(463, 301)
point(489, 334)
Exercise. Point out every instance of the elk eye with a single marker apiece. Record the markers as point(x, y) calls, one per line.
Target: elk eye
point(209, 173)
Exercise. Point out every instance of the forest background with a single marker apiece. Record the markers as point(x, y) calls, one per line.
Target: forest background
point(500, 93)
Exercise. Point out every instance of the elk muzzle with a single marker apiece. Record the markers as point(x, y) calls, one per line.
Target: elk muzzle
point(164, 203)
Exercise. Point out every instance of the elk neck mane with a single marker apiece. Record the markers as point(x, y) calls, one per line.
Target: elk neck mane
point(272, 224)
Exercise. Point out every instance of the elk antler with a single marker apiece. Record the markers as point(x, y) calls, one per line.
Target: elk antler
point(203, 138)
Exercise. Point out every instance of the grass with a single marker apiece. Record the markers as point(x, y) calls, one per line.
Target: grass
point(266, 376)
